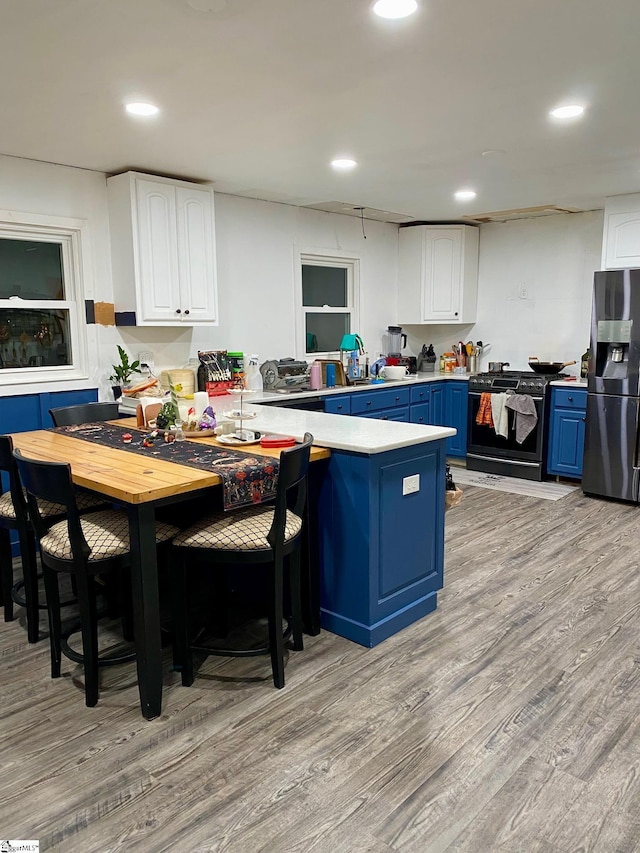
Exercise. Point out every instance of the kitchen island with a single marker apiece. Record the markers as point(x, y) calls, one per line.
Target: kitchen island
point(380, 519)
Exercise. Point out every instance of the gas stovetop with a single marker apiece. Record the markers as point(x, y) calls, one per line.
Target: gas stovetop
point(520, 381)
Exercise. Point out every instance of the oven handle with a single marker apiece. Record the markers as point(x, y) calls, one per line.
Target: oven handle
point(501, 459)
point(497, 391)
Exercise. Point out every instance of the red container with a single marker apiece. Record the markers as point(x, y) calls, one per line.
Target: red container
point(277, 441)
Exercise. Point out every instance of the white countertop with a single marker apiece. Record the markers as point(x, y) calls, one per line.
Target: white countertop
point(340, 432)
point(354, 389)
point(570, 383)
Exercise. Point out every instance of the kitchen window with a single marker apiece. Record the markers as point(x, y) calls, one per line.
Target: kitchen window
point(327, 301)
point(41, 336)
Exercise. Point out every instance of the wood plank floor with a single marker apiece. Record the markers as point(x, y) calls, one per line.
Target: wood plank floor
point(506, 721)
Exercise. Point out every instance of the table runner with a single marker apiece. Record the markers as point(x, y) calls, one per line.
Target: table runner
point(246, 479)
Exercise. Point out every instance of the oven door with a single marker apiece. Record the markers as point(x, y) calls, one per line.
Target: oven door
point(484, 441)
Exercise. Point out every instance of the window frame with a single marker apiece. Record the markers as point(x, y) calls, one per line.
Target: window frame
point(71, 235)
point(325, 258)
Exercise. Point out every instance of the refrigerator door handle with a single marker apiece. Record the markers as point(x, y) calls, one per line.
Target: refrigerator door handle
point(635, 482)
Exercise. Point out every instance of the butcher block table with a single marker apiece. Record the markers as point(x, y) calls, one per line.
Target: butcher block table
point(142, 484)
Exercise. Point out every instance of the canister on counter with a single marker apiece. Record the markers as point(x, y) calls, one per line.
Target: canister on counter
point(450, 361)
point(236, 363)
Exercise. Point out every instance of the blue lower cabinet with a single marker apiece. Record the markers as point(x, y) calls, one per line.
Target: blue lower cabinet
point(381, 551)
point(420, 414)
point(456, 409)
point(376, 401)
point(388, 415)
point(340, 404)
point(20, 414)
point(436, 404)
point(25, 412)
point(566, 442)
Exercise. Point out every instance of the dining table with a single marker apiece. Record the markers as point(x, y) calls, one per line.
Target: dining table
point(142, 484)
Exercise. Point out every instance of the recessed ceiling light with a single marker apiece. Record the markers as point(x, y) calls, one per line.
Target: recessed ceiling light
point(140, 109)
point(569, 111)
point(465, 195)
point(343, 163)
point(395, 8)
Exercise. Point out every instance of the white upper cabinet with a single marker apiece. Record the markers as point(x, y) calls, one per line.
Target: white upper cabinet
point(621, 240)
point(438, 274)
point(163, 250)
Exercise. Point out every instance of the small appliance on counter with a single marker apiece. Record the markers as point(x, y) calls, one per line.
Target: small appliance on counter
point(397, 340)
point(410, 362)
point(285, 373)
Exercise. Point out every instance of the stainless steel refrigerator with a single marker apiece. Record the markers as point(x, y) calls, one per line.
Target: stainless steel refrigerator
point(612, 439)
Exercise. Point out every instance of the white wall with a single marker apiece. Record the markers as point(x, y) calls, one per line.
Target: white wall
point(552, 259)
point(256, 243)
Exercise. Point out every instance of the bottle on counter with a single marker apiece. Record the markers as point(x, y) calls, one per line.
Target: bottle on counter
point(253, 378)
point(584, 364)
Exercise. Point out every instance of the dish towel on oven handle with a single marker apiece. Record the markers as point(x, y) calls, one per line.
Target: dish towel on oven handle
point(500, 414)
point(483, 418)
point(526, 415)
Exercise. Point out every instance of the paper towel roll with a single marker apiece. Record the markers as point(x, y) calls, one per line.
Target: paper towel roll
point(200, 402)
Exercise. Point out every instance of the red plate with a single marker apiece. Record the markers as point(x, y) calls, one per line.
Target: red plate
point(277, 441)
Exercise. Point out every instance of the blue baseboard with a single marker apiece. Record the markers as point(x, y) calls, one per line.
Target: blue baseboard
point(372, 635)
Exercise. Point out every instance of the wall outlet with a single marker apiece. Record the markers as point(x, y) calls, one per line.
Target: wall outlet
point(411, 484)
point(146, 357)
point(524, 293)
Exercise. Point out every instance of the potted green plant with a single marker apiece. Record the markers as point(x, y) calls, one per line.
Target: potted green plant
point(123, 372)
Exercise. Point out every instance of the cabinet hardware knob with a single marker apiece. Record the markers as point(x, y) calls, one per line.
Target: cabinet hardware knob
point(368, 402)
point(397, 398)
point(570, 399)
point(178, 311)
point(187, 311)
point(455, 314)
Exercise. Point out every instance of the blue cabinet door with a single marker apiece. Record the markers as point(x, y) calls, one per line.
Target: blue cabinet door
point(436, 403)
point(566, 444)
point(19, 414)
point(456, 405)
point(420, 413)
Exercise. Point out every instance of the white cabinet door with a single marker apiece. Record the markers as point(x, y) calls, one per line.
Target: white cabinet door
point(159, 286)
point(196, 252)
point(622, 240)
point(442, 281)
point(162, 251)
point(438, 274)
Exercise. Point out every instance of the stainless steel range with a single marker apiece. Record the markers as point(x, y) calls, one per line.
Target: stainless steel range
point(494, 454)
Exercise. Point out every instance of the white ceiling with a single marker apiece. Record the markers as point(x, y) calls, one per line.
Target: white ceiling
point(259, 95)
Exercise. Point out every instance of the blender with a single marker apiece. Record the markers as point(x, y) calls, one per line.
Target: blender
point(397, 341)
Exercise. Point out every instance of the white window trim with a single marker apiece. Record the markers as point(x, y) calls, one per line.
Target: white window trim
point(329, 258)
point(72, 235)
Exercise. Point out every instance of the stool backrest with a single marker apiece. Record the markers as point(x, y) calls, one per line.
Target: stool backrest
point(84, 413)
point(8, 466)
point(51, 481)
point(291, 492)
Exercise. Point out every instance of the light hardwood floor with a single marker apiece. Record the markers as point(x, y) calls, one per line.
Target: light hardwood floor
point(506, 721)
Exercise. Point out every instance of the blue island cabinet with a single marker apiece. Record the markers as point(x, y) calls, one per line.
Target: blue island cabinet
point(381, 544)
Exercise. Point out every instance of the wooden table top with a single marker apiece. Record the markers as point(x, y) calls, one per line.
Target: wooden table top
point(125, 476)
